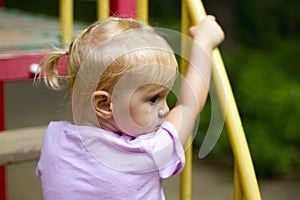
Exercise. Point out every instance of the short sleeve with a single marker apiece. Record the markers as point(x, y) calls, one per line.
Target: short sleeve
point(167, 151)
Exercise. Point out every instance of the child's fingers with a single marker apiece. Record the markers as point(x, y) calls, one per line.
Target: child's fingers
point(211, 17)
point(193, 29)
point(208, 31)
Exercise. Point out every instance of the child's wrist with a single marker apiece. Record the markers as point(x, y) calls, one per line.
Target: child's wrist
point(204, 44)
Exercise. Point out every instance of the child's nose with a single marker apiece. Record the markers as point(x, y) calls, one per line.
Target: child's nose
point(163, 111)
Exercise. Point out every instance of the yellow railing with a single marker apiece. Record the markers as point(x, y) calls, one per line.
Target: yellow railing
point(142, 10)
point(102, 9)
point(186, 174)
point(245, 182)
point(66, 17)
point(66, 20)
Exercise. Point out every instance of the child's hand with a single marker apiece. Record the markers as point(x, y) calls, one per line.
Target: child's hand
point(207, 33)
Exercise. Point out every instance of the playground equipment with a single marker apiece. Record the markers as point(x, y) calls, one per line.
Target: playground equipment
point(25, 144)
point(245, 183)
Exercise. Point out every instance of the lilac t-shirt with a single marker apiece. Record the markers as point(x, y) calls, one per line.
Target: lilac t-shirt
point(81, 162)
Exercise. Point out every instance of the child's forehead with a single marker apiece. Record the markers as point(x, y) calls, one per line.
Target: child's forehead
point(145, 80)
point(154, 74)
point(154, 87)
point(157, 82)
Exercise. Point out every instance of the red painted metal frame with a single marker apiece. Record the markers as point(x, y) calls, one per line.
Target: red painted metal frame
point(14, 67)
point(2, 168)
point(123, 9)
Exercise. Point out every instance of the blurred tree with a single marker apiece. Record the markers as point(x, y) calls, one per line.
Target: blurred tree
point(262, 23)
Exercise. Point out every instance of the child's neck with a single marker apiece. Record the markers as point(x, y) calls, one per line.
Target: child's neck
point(109, 125)
point(103, 124)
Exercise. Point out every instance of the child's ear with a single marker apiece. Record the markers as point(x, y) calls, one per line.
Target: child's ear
point(101, 103)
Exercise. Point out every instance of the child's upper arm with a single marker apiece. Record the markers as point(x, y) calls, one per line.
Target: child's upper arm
point(183, 119)
point(194, 86)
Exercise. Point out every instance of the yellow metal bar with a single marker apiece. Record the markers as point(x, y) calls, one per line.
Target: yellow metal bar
point(186, 174)
point(142, 10)
point(66, 20)
point(233, 123)
point(103, 8)
point(237, 192)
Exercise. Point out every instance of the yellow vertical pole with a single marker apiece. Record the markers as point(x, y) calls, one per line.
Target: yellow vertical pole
point(237, 190)
point(103, 8)
point(66, 20)
point(142, 10)
point(186, 174)
point(247, 177)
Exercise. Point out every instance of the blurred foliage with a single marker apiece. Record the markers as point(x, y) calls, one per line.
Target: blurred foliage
point(261, 53)
point(264, 70)
point(267, 89)
point(266, 86)
point(262, 23)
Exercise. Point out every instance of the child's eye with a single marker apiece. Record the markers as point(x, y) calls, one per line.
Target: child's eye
point(154, 99)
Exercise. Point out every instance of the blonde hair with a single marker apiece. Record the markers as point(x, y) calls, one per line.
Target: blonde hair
point(101, 54)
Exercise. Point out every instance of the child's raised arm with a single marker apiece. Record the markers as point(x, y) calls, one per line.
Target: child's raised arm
point(194, 86)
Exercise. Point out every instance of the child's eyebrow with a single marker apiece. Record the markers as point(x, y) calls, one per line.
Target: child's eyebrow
point(158, 90)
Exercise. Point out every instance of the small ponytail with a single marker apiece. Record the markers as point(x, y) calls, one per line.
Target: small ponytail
point(49, 71)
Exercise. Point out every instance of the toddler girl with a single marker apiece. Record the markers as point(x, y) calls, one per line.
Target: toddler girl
point(123, 139)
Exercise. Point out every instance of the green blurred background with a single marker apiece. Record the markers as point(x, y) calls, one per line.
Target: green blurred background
point(261, 53)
